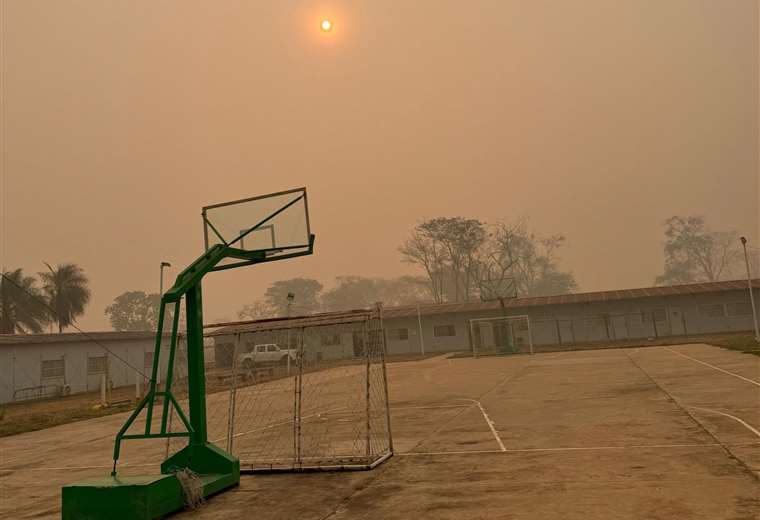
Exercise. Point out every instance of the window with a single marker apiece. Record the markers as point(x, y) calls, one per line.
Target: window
point(53, 368)
point(96, 365)
point(148, 360)
point(738, 309)
point(440, 331)
point(711, 310)
point(657, 314)
point(330, 340)
point(398, 334)
point(271, 348)
point(261, 348)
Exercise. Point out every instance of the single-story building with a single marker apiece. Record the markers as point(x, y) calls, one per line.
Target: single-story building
point(39, 365)
point(603, 316)
point(44, 365)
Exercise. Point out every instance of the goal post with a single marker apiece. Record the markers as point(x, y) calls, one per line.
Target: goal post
point(501, 335)
point(303, 393)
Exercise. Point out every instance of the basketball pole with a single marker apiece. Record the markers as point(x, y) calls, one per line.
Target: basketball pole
point(201, 465)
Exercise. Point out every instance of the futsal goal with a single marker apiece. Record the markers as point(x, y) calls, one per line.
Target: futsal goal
point(302, 393)
point(501, 335)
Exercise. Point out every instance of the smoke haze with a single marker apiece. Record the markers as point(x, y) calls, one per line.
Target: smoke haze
point(592, 118)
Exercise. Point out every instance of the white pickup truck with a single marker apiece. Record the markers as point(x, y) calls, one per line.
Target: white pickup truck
point(266, 354)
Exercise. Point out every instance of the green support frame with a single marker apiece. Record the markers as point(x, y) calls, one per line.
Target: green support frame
point(117, 497)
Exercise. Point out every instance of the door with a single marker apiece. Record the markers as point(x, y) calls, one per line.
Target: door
point(261, 354)
point(358, 344)
point(502, 335)
point(677, 327)
point(619, 327)
point(565, 331)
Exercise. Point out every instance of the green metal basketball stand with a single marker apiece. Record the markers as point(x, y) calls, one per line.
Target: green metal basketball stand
point(117, 497)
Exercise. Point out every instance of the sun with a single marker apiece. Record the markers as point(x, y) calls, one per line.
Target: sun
point(326, 25)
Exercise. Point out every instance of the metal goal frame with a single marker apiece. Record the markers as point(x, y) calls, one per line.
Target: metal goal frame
point(476, 338)
point(327, 409)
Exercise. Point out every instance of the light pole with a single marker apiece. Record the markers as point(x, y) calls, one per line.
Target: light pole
point(749, 285)
point(161, 282)
point(291, 297)
point(161, 295)
point(158, 374)
point(419, 325)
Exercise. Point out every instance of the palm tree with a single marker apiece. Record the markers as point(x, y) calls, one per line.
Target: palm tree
point(22, 307)
point(67, 293)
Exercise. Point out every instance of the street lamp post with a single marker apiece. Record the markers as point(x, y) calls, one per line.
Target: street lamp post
point(751, 295)
point(161, 282)
point(161, 295)
point(158, 374)
point(291, 297)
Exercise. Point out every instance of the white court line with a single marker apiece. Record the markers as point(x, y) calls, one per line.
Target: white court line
point(713, 366)
point(489, 422)
point(750, 428)
point(428, 407)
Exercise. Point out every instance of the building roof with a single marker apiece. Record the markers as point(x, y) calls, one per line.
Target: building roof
point(567, 299)
point(71, 337)
point(313, 320)
point(425, 309)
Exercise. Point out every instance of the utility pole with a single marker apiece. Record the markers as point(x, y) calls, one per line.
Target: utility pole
point(161, 280)
point(419, 325)
point(751, 292)
point(161, 295)
point(291, 297)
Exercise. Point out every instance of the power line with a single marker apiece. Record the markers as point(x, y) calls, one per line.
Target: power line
point(83, 333)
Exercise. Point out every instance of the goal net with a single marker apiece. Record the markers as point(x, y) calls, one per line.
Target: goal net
point(501, 335)
point(301, 393)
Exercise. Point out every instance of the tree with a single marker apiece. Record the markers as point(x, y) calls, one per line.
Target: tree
point(66, 291)
point(529, 258)
point(352, 292)
point(307, 296)
point(256, 311)
point(458, 253)
point(424, 251)
point(135, 311)
point(358, 292)
point(404, 290)
point(694, 253)
point(448, 249)
point(22, 306)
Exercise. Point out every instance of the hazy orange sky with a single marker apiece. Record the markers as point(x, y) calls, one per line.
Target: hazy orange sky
point(592, 118)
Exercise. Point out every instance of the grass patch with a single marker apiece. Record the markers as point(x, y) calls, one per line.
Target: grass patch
point(22, 423)
point(742, 343)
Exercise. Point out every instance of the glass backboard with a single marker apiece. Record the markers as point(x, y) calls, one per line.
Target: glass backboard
point(277, 224)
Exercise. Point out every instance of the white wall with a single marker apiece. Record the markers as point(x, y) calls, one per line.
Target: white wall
point(21, 364)
point(585, 322)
